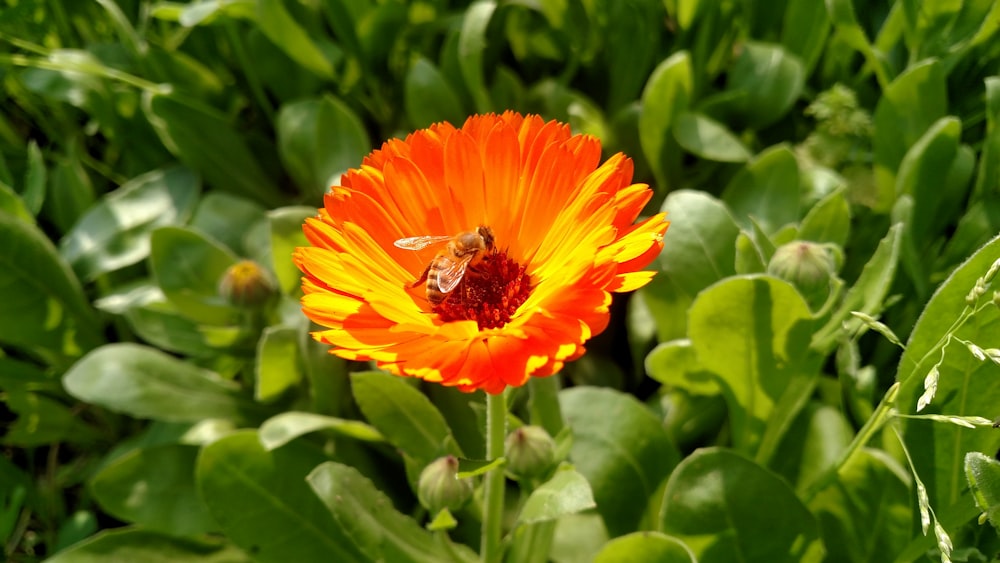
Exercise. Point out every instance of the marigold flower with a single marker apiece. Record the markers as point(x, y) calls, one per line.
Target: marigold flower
point(547, 232)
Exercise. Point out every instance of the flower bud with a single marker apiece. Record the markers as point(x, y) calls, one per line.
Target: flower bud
point(529, 451)
point(439, 486)
point(246, 284)
point(809, 266)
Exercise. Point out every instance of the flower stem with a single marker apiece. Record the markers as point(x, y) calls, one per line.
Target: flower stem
point(496, 431)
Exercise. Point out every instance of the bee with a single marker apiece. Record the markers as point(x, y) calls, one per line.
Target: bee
point(463, 252)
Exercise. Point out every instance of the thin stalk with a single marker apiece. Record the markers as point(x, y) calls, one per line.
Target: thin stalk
point(496, 431)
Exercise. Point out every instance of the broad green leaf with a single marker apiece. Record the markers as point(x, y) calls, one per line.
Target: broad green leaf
point(983, 474)
point(320, 139)
point(965, 387)
point(766, 191)
point(129, 544)
point(697, 252)
point(147, 383)
point(404, 415)
point(645, 546)
point(50, 310)
point(578, 537)
point(753, 332)
point(727, 508)
point(907, 108)
point(281, 28)
point(262, 502)
point(804, 31)
point(286, 235)
point(675, 364)
point(632, 35)
point(988, 175)
point(850, 32)
point(471, 45)
point(115, 233)
point(285, 427)
point(814, 443)
point(867, 515)
point(867, 295)
point(768, 79)
point(828, 221)
point(43, 420)
point(427, 96)
point(70, 192)
point(923, 174)
point(708, 139)
point(154, 487)
point(368, 517)
point(207, 142)
point(12, 204)
point(35, 180)
point(160, 323)
point(277, 367)
point(188, 267)
point(227, 218)
point(624, 453)
point(667, 93)
point(567, 492)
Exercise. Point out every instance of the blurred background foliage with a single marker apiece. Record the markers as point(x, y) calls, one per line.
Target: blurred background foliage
point(816, 158)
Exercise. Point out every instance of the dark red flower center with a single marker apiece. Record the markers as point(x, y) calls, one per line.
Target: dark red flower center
point(489, 293)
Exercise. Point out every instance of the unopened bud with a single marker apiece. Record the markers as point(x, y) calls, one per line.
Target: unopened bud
point(247, 284)
point(529, 451)
point(809, 266)
point(439, 486)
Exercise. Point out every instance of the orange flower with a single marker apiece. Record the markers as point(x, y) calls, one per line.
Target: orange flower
point(563, 239)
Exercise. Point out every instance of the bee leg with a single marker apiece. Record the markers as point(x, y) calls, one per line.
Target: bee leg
point(423, 277)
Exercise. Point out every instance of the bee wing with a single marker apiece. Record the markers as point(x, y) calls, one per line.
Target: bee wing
point(450, 276)
point(416, 243)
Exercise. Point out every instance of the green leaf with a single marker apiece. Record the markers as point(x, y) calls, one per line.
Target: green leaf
point(753, 331)
point(262, 502)
point(404, 415)
point(578, 537)
point(675, 364)
point(188, 267)
point(42, 420)
point(286, 235)
point(471, 45)
point(814, 443)
point(125, 545)
point(567, 492)
point(35, 180)
point(867, 515)
point(645, 546)
point(866, 296)
point(697, 252)
point(908, 107)
point(727, 508)
point(146, 383)
point(983, 474)
point(708, 139)
point(768, 80)
point(966, 386)
point(115, 233)
point(988, 175)
point(206, 141)
point(923, 173)
point(50, 310)
point(804, 31)
point(277, 368)
point(368, 517)
point(624, 453)
point(228, 218)
point(285, 427)
point(828, 221)
point(12, 204)
point(667, 93)
point(70, 193)
point(766, 191)
point(427, 96)
point(281, 28)
point(632, 35)
point(154, 487)
point(158, 322)
point(318, 141)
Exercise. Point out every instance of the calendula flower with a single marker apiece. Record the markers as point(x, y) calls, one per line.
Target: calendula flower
point(543, 230)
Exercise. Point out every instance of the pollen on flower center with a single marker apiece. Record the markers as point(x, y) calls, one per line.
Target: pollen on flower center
point(490, 294)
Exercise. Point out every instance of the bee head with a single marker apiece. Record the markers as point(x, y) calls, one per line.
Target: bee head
point(487, 234)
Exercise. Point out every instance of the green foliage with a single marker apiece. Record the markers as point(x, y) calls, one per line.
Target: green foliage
point(147, 147)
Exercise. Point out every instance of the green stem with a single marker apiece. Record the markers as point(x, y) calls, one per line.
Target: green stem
point(496, 431)
point(875, 423)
